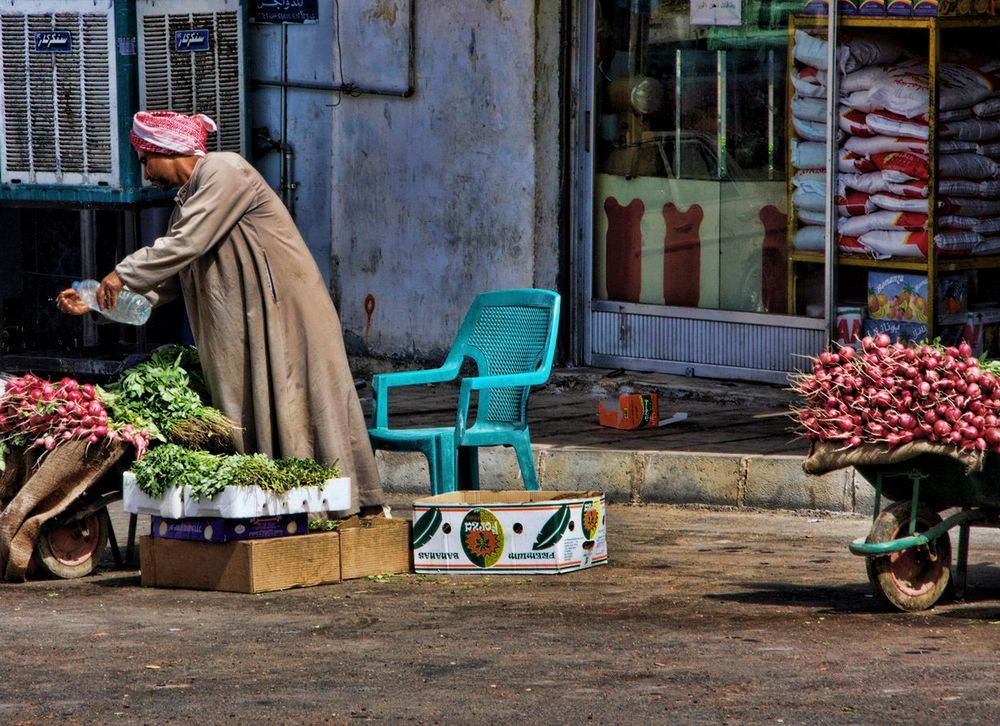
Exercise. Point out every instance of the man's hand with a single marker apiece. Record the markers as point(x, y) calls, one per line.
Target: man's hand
point(69, 302)
point(107, 293)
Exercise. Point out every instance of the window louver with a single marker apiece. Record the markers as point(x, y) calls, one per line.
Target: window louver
point(207, 82)
point(57, 121)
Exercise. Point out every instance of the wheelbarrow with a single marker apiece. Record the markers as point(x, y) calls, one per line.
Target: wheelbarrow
point(54, 509)
point(72, 544)
point(908, 550)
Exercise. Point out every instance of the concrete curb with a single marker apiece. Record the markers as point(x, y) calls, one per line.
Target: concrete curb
point(655, 477)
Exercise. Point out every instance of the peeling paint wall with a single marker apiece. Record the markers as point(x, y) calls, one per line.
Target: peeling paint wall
point(413, 205)
point(551, 244)
point(447, 193)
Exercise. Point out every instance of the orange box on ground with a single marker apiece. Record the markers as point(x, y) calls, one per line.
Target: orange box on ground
point(632, 411)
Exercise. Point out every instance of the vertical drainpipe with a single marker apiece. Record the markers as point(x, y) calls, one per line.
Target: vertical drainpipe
point(130, 241)
point(88, 266)
point(286, 186)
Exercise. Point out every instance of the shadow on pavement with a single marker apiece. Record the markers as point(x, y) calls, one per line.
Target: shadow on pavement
point(841, 598)
point(124, 580)
point(973, 613)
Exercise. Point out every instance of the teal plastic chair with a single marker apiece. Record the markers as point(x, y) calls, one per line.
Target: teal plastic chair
point(510, 336)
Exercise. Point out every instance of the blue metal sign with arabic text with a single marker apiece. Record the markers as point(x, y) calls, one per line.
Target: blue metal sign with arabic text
point(192, 41)
point(53, 41)
point(284, 11)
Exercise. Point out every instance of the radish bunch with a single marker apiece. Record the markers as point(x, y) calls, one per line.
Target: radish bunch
point(37, 412)
point(889, 394)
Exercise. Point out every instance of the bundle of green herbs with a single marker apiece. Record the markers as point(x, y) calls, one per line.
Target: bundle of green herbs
point(207, 474)
point(162, 394)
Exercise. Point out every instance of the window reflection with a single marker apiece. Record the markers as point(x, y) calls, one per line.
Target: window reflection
point(690, 163)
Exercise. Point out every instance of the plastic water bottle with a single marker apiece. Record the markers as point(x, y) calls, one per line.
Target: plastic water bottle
point(131, 308)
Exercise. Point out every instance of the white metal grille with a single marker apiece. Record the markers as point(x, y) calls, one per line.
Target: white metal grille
point(738, 348)
point(58, 125)
point(209, 81)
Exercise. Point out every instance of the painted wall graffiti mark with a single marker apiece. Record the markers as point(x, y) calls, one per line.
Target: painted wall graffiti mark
point(369, 310)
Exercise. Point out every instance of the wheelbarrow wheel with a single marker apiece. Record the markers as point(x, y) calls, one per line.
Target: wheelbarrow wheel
point(74, 549)
point(915, 578)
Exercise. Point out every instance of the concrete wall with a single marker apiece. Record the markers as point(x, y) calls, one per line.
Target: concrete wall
point(421, 202)
point(308, 115)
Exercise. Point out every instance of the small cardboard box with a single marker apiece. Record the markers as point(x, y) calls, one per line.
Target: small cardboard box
point(253, 565)
point(952, 299)
point(848, 323)
point(947, 8)
point(632, 411)
point(217, 529)
point(376, 546)
point(358, 548)
point(515, 532)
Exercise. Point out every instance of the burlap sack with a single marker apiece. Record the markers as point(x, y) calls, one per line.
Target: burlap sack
point(827, 456)
point(36, 487)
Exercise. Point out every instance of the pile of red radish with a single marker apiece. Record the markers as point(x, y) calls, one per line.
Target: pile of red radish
point(37, 412)
point(889, 394)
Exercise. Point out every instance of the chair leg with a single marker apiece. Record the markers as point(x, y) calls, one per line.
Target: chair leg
point(468, 467)
point(527, 462)
point(443, 473)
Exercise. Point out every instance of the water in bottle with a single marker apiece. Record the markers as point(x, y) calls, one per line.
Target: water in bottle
point(131, 309)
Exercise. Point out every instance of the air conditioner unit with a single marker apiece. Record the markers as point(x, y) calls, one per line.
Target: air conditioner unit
point(70, 78)
point(192, 59)
point(67, 85)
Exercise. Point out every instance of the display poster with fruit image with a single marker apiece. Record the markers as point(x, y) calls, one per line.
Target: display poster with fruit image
point(894, 296)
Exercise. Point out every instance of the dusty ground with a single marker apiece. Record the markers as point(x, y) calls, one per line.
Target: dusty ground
point(702, 616)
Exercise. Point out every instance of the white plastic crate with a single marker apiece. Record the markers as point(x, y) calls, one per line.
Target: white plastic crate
point(136, 501)
point(237, 502)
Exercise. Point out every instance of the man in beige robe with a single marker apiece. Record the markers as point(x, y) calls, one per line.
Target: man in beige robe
point(267, 332)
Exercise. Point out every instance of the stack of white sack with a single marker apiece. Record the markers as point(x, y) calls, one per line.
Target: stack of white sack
point(883, 163)
point(808, 110)
point(808, 156)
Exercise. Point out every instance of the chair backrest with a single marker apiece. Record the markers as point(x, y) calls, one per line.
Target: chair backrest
point(504, 332)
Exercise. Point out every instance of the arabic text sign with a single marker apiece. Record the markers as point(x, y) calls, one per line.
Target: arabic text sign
point(284, 11)
point(54, 41)
point(716, 12)
point(192, 41)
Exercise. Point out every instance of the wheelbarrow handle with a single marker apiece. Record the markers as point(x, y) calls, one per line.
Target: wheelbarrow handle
point(873, 549)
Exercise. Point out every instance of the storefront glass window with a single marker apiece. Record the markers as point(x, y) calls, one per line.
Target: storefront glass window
point(690, 191)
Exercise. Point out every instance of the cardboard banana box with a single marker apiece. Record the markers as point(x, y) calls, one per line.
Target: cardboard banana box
point(519, 532)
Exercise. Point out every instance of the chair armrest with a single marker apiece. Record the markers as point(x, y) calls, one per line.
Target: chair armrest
point(382, 382)
point(508, 380)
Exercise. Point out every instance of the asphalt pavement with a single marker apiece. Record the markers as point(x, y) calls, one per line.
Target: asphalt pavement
point(712, 615)
point(737, 603)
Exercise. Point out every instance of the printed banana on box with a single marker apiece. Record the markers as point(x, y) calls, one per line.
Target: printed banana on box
point(509, 532)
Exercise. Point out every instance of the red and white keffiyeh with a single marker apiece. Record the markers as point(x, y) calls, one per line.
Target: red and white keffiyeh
point(170, 133)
